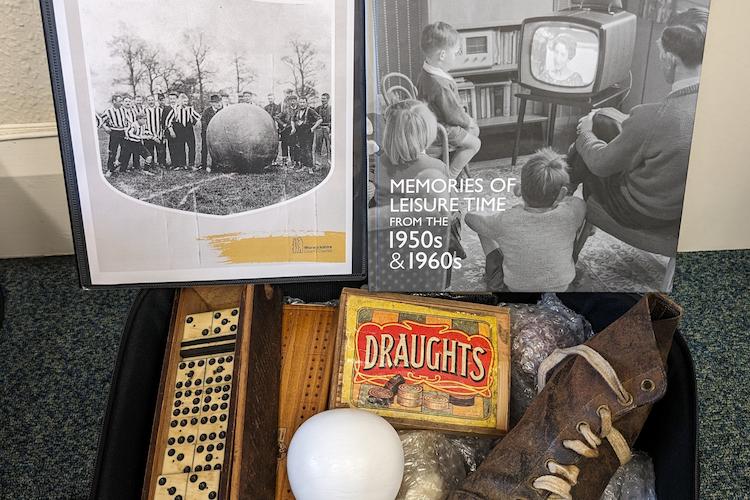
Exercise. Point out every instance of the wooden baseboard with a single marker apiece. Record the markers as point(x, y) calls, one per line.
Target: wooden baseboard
point(14, 132)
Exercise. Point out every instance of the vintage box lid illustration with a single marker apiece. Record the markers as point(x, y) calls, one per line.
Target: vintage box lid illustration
point(427, 362)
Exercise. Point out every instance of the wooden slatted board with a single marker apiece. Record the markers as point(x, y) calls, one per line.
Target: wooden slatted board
point(308, 339)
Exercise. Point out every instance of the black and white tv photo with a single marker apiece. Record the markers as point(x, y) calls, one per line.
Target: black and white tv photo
point(530, 145)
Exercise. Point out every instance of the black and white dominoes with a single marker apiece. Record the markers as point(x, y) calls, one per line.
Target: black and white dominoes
point(199, 408)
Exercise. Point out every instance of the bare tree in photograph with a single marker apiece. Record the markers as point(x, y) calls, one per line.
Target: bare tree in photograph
point(169, 74)
point(304, 66)
point(198, 57)
point(160, 72)
point(244, 74)
point(129, 49)
point(151, 67)
point(187, 84)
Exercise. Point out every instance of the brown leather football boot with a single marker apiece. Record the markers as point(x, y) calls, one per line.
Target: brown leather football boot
point(581, 426)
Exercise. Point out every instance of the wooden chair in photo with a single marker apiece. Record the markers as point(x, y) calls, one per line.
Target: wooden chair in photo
point(397, 87)
point(657, 241)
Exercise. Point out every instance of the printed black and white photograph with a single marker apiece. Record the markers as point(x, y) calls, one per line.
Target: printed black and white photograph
point(211, 107)
point(207, 141)
point(530, 145)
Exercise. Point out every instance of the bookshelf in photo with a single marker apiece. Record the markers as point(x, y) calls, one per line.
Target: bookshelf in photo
point(507, 47)
point(496, 104)
point(488, 66)
point(486, 77)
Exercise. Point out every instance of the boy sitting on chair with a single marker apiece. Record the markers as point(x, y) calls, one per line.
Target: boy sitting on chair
point(440, 45)
point(530, 247)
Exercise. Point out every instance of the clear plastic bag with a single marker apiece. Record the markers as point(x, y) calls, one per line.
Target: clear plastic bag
point(473, 449)
point(295, 301)
point(435, 464)
point(536, 331)
point(635, 480)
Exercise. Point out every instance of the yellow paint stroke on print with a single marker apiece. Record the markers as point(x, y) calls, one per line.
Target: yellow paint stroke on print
point(328, 247)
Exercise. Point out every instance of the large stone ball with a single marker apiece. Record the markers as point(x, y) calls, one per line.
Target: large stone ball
point(242, 138)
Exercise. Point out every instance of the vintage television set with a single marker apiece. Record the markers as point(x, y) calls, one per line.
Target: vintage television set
point(576, 52)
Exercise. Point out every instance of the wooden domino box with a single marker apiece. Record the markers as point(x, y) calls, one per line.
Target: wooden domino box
point(217, 409)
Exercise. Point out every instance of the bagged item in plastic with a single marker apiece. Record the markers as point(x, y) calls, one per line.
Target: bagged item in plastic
point(295, 301)
point(435, 464)
point(432, 466)
point(536, 331)
point(473, 449)
point(633, 481)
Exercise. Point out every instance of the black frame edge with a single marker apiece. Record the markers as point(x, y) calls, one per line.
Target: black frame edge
point(64, 140)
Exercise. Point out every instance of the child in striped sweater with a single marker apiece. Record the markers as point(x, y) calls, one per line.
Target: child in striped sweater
point(133, 145)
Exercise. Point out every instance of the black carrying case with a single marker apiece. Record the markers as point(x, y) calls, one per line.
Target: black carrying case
point(670, 435)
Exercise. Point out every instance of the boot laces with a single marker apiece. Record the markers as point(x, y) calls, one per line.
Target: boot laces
point(563, 478)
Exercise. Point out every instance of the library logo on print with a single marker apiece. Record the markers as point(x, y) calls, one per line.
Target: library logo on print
point(298, 245)
point(530, 145)
point(211, 107)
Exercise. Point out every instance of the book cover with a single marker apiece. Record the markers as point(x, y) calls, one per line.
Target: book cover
point(586, 197)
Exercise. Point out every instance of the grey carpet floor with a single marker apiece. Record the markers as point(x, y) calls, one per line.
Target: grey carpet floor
point(58, 346)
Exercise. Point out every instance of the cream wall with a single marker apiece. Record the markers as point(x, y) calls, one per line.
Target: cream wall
point(33, 211)
point(25, 95)
point(716, 201)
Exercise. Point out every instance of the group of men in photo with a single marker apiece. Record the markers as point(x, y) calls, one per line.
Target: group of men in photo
point(303, 129)
point(162, 131)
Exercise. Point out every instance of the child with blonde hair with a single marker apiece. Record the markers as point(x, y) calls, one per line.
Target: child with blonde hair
point(530, 247)
point(410, 127)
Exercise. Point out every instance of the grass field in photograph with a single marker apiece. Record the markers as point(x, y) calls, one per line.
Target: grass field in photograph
point(215, 193)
